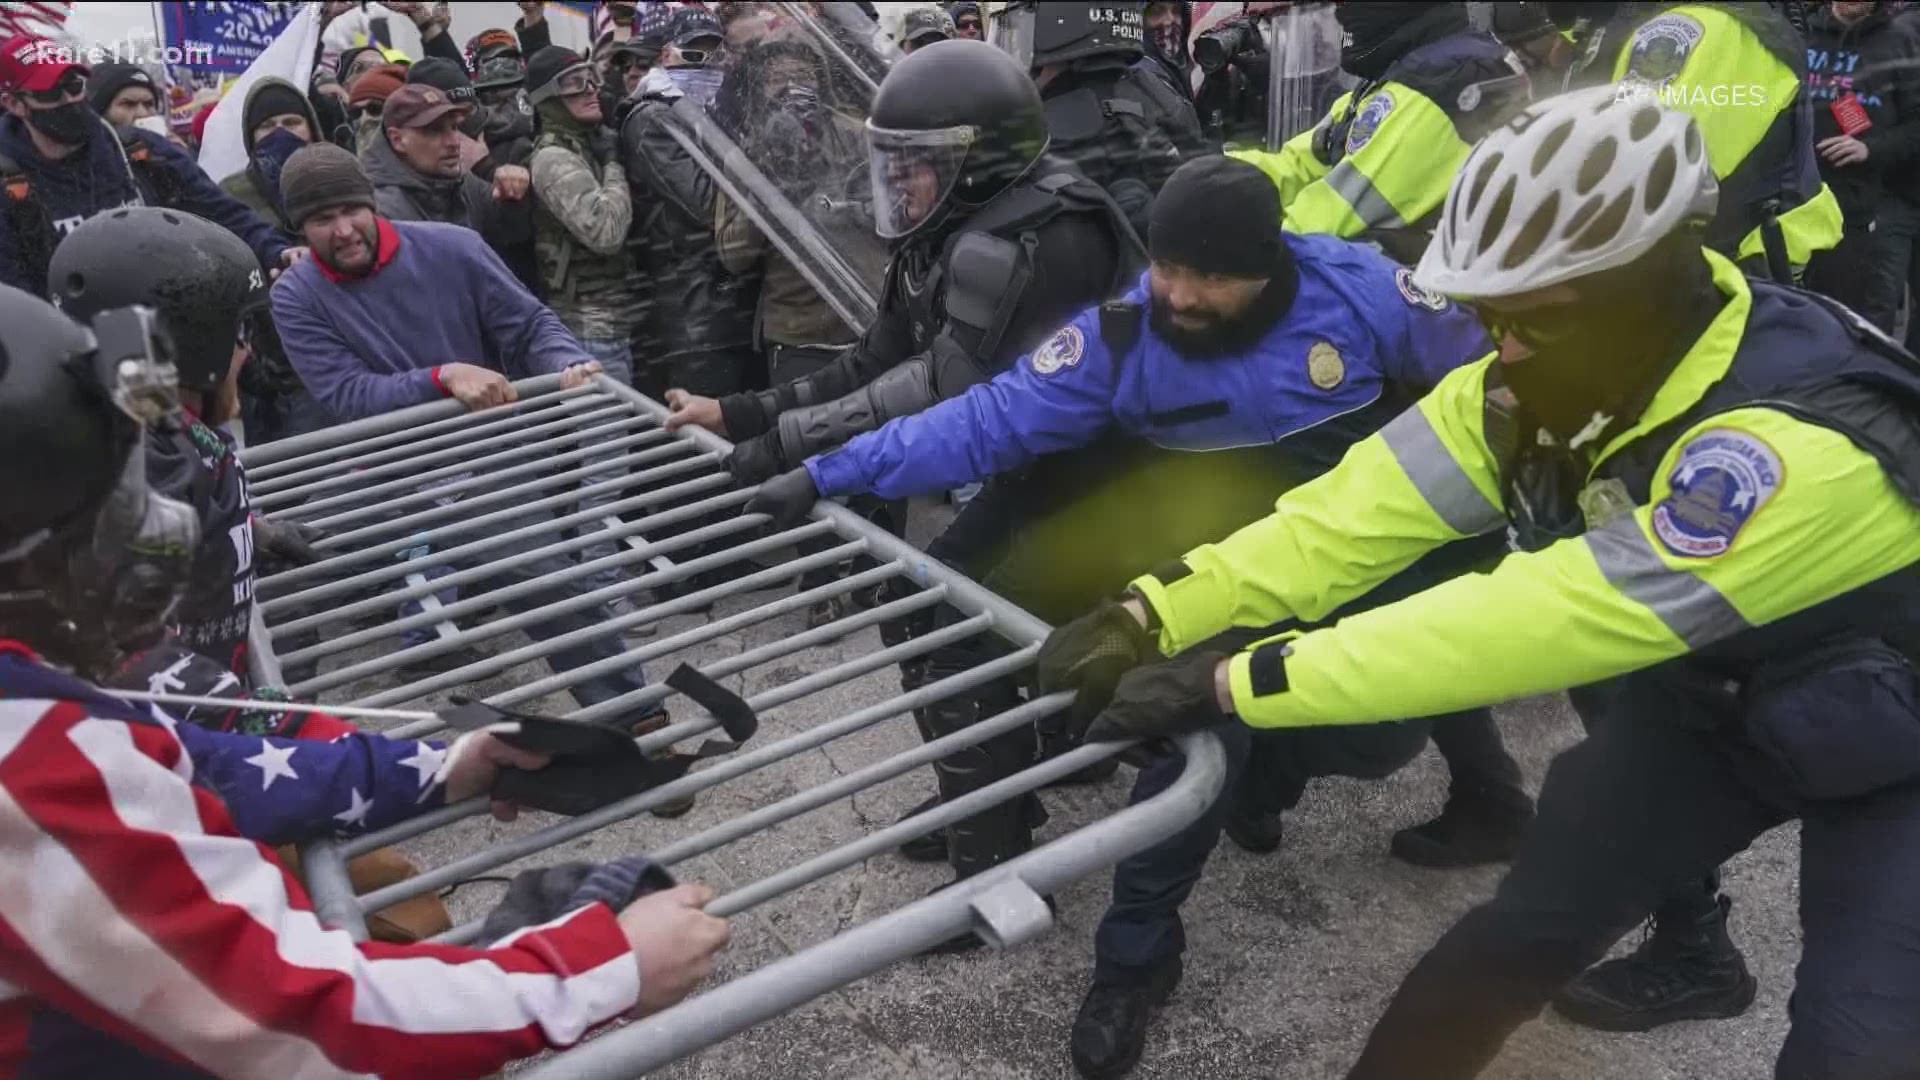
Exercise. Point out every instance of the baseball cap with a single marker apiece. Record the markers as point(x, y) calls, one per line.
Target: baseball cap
point(693, 24)
point(417, 105)
point(922, 22)
point(33, 64)
point(450, 78)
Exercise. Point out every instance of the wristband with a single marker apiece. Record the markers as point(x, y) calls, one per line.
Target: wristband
point(434, 373)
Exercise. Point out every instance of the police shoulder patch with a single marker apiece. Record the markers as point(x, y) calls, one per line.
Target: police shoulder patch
point(1367, 122)
point(1721, 480)
point(1062, 350)
point(1415, 295)
point(1661, 46)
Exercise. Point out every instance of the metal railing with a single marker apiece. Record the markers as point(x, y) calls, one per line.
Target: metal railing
point(433, 499)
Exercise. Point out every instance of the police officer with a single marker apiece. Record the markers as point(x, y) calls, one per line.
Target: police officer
point(1738, 70)
point(1245, 361)
point(1717, 499)
point(208, 294)
point(1376, 167)
point(995, 242)
point(1111, 108)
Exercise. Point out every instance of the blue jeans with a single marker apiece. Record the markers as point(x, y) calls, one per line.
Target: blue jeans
point(616, 357)
point(589, 692)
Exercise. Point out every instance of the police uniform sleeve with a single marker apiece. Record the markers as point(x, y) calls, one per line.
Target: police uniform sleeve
point(1402, 153)
point(1056, 398)
point(1755, 516)
point(1294, 165)
point(1424, 480)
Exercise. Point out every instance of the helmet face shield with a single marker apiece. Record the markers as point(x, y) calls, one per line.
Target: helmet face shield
point(913, 172)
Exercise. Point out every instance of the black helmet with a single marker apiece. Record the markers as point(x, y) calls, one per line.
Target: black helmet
point(59, 445)
point(954, 123)
point(200, 278)
point(1039, 34)
point(91, 561)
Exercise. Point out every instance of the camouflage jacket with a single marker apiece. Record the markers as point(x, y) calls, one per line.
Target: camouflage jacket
point(582, 214)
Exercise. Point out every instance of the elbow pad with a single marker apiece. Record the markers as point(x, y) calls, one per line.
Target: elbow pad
point(900, 391)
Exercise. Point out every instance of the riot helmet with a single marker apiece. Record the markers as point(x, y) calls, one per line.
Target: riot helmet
point(200, 279)
point(954, 124)
point(1039, 34)
point(92, 562)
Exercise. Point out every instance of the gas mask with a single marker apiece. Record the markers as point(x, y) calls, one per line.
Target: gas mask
point(106, 583)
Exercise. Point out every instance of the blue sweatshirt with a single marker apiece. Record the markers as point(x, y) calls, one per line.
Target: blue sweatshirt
point(100, 177)
point(438, 295)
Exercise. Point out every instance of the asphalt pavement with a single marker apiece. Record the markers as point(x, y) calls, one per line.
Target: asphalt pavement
point(1290, 955)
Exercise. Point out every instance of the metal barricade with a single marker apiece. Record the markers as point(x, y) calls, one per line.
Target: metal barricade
point(433, 499)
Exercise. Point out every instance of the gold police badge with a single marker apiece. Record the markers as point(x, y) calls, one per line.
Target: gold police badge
point(1324, 366)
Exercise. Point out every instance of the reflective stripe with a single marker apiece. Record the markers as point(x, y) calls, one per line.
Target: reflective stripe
point(1357, 188)
point(1690, 606)
point(1438, 477)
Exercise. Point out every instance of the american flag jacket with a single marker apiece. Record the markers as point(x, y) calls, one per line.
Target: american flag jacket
point(146, 929)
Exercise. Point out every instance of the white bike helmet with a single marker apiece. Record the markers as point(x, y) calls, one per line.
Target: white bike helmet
point(1579, 183)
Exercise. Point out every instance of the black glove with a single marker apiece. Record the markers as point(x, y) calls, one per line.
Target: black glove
point(286, 544)
point(757, 460)
point(1162, 700)
point(1089, 655)
point(785, 498)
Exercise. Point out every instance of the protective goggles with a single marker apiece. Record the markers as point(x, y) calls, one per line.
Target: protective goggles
point(574, 81)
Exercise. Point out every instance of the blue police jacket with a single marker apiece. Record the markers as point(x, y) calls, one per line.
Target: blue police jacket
point(1359, 339)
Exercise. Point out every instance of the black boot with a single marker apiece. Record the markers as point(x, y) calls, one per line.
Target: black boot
point(1473, 829)
point(932, 847)
point(998, 833)
point(1111, 1029)
point(1686, 969)
point(1254, 830)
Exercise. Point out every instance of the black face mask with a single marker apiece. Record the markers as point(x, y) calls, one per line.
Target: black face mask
point(1227, 337)
point(70, 124)
point(1605, 356)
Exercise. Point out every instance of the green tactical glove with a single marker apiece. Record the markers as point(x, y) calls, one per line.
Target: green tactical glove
point(1162, 700)
point(1089, 655)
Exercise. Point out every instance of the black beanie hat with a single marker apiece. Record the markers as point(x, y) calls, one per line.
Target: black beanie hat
point(319, 176)
point(443, 75)
point(547, 64)
point(273, 99)
point(1218, 215)
point(109, 79)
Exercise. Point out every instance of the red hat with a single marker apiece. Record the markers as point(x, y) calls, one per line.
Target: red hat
point(34, 64)
point(377, 84)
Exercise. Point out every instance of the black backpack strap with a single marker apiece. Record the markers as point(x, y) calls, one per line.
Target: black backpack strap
point(149, 173)
point(27, 219)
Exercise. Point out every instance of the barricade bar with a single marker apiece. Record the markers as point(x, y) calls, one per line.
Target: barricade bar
point(459, 529)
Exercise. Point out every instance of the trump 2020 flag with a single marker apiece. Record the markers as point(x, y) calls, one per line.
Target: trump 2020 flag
point(223, 150)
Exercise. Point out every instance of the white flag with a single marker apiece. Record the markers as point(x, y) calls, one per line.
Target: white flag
point(223, 149)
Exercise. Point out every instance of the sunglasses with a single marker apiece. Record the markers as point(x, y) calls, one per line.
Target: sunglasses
point(967, 24)
point(374, 108)
point(67, 89)
point(695, 56)
point(1540, 329)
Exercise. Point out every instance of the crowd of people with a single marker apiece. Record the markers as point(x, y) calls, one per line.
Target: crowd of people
point(1576, 328)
